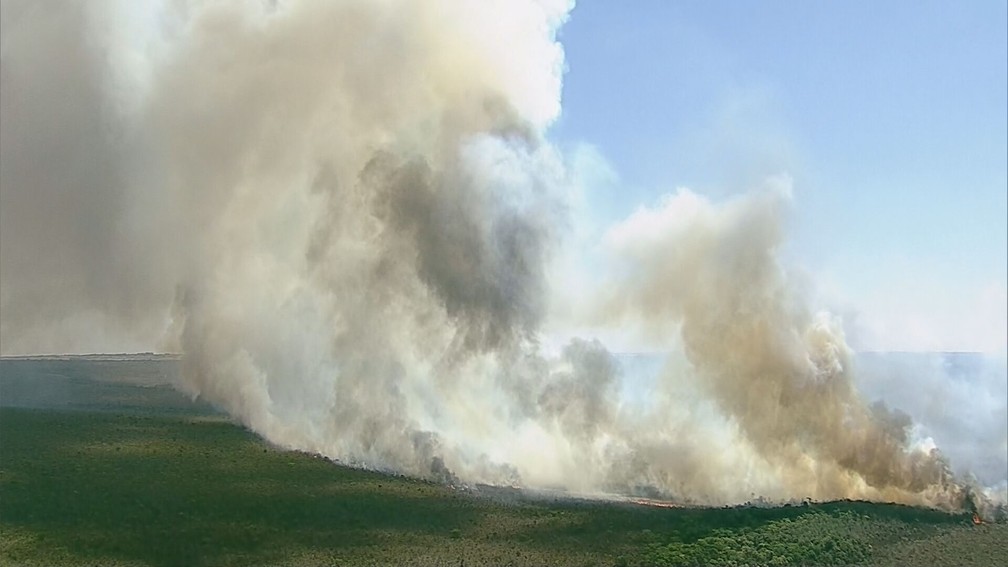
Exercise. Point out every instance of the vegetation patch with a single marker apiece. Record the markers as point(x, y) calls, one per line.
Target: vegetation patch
point(102, 488)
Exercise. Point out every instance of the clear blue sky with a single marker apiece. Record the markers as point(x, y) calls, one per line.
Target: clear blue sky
point(891, 118)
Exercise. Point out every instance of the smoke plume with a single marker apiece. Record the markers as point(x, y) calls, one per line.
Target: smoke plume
point(780, 374)
point(343, 215)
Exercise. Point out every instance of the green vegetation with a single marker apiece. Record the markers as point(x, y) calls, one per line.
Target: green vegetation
point(809, 540)
point(87, 488)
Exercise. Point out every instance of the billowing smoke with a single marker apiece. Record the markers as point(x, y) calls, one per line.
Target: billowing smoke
point(343, 215)
point(779, 373)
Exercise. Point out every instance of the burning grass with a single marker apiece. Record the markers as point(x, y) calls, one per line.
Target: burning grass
point(82, 488)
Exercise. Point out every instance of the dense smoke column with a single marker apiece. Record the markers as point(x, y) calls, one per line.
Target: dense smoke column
point(338, 212)
point(782, 374)
point(370, 205)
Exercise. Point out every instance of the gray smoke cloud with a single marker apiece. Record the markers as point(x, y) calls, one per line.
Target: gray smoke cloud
point(73, 275)
point(959, 402)
point(344, 215)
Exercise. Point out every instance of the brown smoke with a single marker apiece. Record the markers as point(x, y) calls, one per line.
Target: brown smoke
point(711, 275)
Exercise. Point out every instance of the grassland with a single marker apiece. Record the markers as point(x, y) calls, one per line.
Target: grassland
point(103, 462)
point(106, 488)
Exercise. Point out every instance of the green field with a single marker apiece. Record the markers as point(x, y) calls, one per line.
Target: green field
point(105, 488)
point(103, 462)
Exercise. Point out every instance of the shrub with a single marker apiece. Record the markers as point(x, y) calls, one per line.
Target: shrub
point(816, 539)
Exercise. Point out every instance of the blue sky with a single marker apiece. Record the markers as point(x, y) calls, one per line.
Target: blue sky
point(891, 118)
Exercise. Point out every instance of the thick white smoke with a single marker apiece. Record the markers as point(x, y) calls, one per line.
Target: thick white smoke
point(343, 214)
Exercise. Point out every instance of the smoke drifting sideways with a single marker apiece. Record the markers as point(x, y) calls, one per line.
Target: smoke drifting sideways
point(344, 216)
